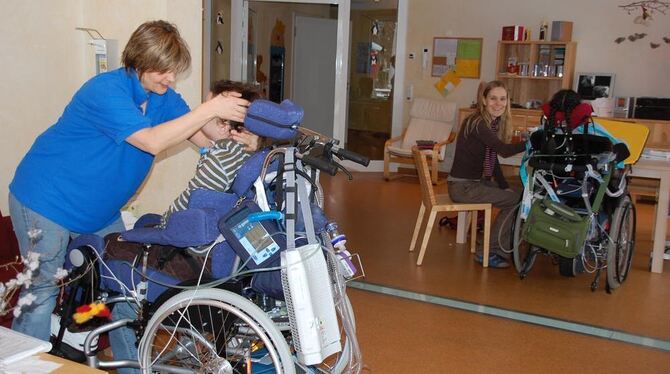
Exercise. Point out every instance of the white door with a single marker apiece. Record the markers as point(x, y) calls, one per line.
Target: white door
point(313, 73)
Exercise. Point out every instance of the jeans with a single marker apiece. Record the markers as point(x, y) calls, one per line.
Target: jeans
point(52, 247)
point(123, 339)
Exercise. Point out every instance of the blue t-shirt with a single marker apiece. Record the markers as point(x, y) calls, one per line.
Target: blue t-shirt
point(80, 172)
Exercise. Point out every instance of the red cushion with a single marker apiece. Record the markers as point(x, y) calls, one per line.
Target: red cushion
point(580, 115)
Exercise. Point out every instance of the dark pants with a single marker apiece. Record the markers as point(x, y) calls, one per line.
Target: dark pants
point(504, 200)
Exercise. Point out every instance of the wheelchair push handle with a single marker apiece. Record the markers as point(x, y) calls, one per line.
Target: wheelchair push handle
point(346, 154)
point(320, 163)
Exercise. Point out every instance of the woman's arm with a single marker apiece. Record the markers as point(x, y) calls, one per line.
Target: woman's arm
point(490, 139)
point(161, 137)
point(200, 140)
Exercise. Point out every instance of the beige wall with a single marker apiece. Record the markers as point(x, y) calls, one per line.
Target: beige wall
point(639, 69)
point(45, 60)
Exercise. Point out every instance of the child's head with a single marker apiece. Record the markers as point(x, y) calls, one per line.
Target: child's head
point(567, 104)
point(249, 93)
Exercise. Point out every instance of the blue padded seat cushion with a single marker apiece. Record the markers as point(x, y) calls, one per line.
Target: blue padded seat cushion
point(272, 120)
point(185, 228)
point(220, 202)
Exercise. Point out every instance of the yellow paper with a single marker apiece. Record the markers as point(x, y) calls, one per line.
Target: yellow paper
point(448, 81)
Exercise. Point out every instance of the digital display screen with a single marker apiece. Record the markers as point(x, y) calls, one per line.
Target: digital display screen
point(253, 236)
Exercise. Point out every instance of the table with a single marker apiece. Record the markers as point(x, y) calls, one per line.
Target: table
point(644, 168)
point(67, 366)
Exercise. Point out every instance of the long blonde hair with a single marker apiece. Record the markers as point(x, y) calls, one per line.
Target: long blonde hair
point(470, 123)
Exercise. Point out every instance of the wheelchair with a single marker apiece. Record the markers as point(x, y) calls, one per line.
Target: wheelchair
point(576, 208)
point(270, 296)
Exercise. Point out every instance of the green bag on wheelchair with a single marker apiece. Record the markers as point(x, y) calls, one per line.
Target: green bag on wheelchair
point(555, 227)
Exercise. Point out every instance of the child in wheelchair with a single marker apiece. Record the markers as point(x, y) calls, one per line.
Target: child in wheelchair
point(212, 224)
point(575, 206)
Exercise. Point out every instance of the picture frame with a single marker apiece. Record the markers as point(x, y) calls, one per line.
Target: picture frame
point(591, 86)
point(460, 54)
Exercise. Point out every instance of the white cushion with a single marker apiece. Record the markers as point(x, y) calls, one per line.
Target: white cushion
point(404, 152)
point(425, 129)
point(436, 110)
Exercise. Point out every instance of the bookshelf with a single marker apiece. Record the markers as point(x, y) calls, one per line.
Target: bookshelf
point(539, 68)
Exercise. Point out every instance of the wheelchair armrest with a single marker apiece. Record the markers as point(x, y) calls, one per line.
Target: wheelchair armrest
point(185, 228)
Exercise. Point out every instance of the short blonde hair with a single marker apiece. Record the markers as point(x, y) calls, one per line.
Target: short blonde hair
point(156, 46)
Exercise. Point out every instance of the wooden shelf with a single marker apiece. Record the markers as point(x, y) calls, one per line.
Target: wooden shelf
point(525, 88)
point(516, 76)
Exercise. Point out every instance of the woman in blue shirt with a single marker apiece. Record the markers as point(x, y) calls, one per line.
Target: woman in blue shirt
point(82, 170)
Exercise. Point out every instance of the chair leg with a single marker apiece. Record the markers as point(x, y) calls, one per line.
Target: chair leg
point(434, 171)
point(487, 236)
point(387, 161)
point(417, 227)
point(426, 236)
point(462, 227)
point(473, 231)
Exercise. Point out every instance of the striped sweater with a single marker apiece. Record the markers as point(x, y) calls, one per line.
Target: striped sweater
point(216, 170)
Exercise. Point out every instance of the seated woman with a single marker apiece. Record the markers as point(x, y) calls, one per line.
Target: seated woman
point(476, 164)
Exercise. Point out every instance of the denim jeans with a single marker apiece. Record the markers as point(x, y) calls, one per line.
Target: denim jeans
point(123, 339)
point(52, 247)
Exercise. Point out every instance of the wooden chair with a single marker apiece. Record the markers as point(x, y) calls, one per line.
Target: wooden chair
point(442, 203)
point(431, 120)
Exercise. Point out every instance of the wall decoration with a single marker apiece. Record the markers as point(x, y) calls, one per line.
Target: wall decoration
point(461, 55)
point(219, 47)
point(277, 37)
point(219, 18)
point(644, 10)
point(447, 83)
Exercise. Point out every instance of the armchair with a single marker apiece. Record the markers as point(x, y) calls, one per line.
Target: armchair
point(431, 120)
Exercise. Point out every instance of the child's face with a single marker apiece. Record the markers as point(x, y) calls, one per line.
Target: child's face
point(217, 129)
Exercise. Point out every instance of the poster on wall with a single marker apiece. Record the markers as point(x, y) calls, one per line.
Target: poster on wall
point(461, 55)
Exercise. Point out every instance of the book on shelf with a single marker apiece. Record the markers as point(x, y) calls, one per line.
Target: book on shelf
point(515, 32)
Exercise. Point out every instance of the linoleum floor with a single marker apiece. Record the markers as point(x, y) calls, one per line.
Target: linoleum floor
point(402, 336)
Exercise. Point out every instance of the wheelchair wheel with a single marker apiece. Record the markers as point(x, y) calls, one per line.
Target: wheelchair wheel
point(621, 243)
point(213, 331)
point(523, 253)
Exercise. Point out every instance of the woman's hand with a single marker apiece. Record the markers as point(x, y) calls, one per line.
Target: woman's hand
point(243, 136)
point(229, 106)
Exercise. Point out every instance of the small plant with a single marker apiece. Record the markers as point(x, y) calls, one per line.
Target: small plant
point(24, 267)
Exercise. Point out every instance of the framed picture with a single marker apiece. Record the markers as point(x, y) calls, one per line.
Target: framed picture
point(461, 55)
point(591, 86)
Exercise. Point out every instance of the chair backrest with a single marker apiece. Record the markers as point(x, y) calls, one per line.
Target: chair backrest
point(429, 120)
point(427, 192)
